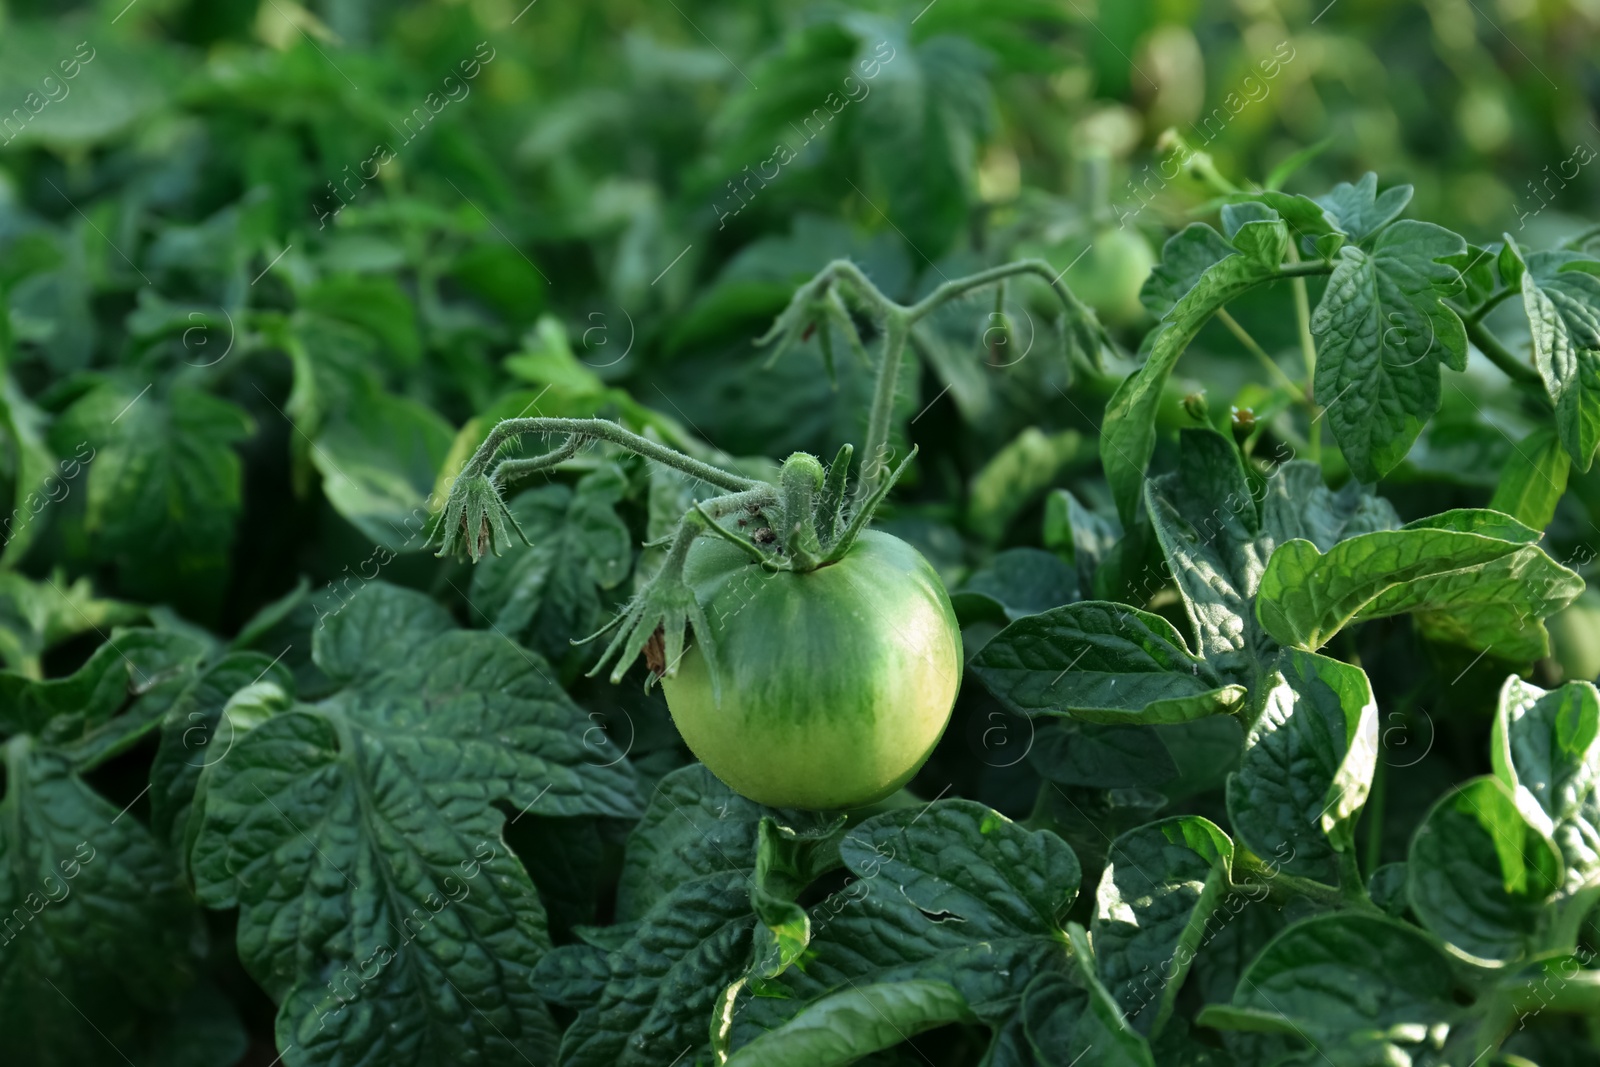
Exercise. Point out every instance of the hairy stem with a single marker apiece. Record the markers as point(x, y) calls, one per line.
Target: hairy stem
point(581, 430)
point(874, 462)
point(511, 469)
point(860, 285)
point(961, 286)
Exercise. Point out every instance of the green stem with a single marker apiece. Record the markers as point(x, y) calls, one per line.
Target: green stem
point(580, 430)
point(1260, 353)
point(511, 469)
point(1351, 886)
point(1578, 992)
point(961, 286)
point(897, 327)
point(1500, 355)
point(1295, 268)
point(1283, 886)
point(1308, 345)
point(1374, 809)
point(1488, 305)
point(860, 285)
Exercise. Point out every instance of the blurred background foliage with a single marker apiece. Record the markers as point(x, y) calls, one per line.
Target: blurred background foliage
point(302, 183)
point(270, 269)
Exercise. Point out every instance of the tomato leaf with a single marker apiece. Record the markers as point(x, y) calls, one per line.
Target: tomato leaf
point(1480, 874)
point(1062, 1021)
point(1128, 434)
point(164, 487)
point(1561, 295)
point(1359, 211)
point(1347, 984)
point(378, 459)
point(1101, 756)
point(22, 426)
point(1383, 333)
point(1473, 576)
point(1209, 526)
point(1016, 583)
point(37, 616)
point(195, 735)
point(95, 913)
point(665, 979)
point(1162, 884)
point(381, 625)
point(1545, 750)
point(951, 892)
point(1533, 479)
point(1307, 766)
point(364, 815)
point(840, 1028)
point(1101, 662)
point(1185, 257)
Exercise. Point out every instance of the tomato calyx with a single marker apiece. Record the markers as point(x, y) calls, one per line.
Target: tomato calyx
point(810, 523)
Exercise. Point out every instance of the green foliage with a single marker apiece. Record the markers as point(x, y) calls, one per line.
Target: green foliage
point(1277, 743)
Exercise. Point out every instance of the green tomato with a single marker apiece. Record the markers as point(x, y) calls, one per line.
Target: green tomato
point(1106, 273)
point(836, 684)
point(1575, 637)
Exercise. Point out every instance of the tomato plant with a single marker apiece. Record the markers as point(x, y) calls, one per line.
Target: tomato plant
point(699, 534)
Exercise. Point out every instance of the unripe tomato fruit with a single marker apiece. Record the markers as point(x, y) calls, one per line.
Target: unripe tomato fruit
point(836, 683)
point(1106, 272)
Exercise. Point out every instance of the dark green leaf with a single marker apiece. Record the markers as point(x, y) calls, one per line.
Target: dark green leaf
point(1344, 982)
point(694, 826)
point(950, 892)
point(1383, 333)
point(1085, 536)
point(95, 914)
point(366, 819)
point(378, 461)
point(1161, 886)
point(1480, 874)
point(164, 486)
point(1101, 662)
point(1307, 766)
point(37, 478)
point(1018, 582)
point(1208, 523)
point(195, 734)
point(379, 627)
point(547, 593)
point(130, 664)
point(1128, 434)
point(1064, 1024)
point(657, 1002)
point(1100, 756)
point(1563, 306)
point(840, 1028)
